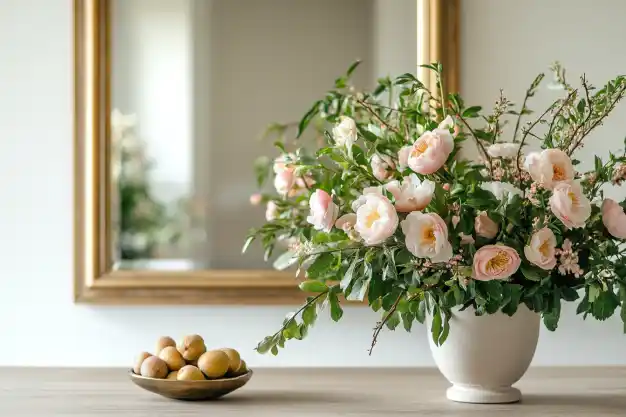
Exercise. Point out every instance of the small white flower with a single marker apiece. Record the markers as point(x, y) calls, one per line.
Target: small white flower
point(503, 150)
point(502, 190)
point(345, 134)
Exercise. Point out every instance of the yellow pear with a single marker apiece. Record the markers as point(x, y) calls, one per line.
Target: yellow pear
point(191, 347)
point(190, 373)
point(172, 375)
point(214, 363)
point(172, 358)
point(154, 367)
point(243, 368)
point(140, 358)
point(234, 359)
point(162, 343)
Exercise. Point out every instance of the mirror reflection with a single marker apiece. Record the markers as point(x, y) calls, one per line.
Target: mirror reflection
point(196, 83)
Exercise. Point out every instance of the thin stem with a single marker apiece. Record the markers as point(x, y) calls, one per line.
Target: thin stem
point(478, 143)
point(521, 113)
point(367, 107)
point(379, 325)
point(308, 303)
point(441, 93)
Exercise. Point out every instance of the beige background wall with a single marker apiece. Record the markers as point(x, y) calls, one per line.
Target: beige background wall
point(39, 324)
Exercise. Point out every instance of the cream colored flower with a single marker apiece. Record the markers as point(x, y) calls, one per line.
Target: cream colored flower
point(382, 166)
point(412, 194)
point(345, 134)
point(550, 167)
point(541, 250)
point(376, 218)
point(570, 205)
point(426, 236)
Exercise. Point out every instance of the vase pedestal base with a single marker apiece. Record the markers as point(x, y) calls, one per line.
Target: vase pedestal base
point(482, 395)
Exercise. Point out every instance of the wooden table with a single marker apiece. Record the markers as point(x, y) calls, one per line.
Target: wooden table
point(589, 392)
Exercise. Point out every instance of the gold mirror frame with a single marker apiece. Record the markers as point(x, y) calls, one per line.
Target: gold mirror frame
point(95, 280)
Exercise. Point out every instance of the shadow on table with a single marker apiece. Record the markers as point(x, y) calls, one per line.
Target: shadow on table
point(614, 401)
point(290, 397)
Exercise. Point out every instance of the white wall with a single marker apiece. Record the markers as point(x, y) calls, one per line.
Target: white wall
point(39, 325)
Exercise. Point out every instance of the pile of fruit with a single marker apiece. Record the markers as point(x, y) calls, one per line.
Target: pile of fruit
point(189, 361)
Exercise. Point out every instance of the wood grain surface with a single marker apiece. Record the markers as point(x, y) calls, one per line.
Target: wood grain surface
point(548, 392)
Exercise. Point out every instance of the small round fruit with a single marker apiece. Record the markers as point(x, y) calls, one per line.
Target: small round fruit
point(154, 367)
point(214, 363)
point(172, 375)
point(234, 359)
point(191, 347)
point(162, 343)
point(190, 373)
point(243, 368)
point(172, 358)
point(140, 358)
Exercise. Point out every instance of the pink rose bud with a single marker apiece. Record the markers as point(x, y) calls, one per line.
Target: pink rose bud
point(446, 187)
point(255, 199)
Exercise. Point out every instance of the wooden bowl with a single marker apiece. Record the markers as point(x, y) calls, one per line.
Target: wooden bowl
point(209, 389)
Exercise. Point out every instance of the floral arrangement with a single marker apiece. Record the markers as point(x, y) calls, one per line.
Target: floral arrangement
point(387, 211)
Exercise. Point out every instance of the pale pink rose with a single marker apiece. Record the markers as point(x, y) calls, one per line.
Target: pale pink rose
point(323, 211)
point(271, 212)
point(447, 124)
point(570, 205)
point(382, 166)
point(550, 167)
point(485, 227)
point(284, 170)
point(495, 262)
point(614, 218)
point(541, 250)
point(376, 218)
point(346, 223)
point(430, 152)
point(412, 194)
point(255, 199)
point(403, 157)
point(426, 236)
point(284, 181)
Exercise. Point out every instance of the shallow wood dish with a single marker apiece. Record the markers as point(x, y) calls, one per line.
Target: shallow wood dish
point(191, 390)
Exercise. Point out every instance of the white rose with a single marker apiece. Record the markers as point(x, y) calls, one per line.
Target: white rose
point(541, 249)
point(376, 218)
point(503, 150)
point(382, 166)
point(502, 189)
point(427, 236)
point(412, 194)
point(345, 134)
point(549, 167)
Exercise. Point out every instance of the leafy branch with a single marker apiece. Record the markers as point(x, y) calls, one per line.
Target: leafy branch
point(386, 317)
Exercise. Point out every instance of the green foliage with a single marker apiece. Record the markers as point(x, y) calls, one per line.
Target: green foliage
point(396, 281)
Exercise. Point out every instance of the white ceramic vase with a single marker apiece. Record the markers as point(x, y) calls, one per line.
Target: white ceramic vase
point(485, 355)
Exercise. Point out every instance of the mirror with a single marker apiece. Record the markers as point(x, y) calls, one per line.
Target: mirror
point(173, 100)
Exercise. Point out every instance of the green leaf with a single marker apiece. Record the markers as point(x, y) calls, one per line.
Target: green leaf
point(262, 167)
point(246, 245)
point(472, 112)
point(306, 119)
point(352, 68)
point(346, 281)
point(594, 292)
point(604, 305)
point(435, 327)
point(336, 312)
point(551, 318)
point(320, 267)
point(309, 315)
point(407, 320)
point(569, 294)
point(285, 260)
point(530, 273)
point(420, 313)
point(312, 285)
point(274, 350)
point(446, 330)
point(393, 321)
